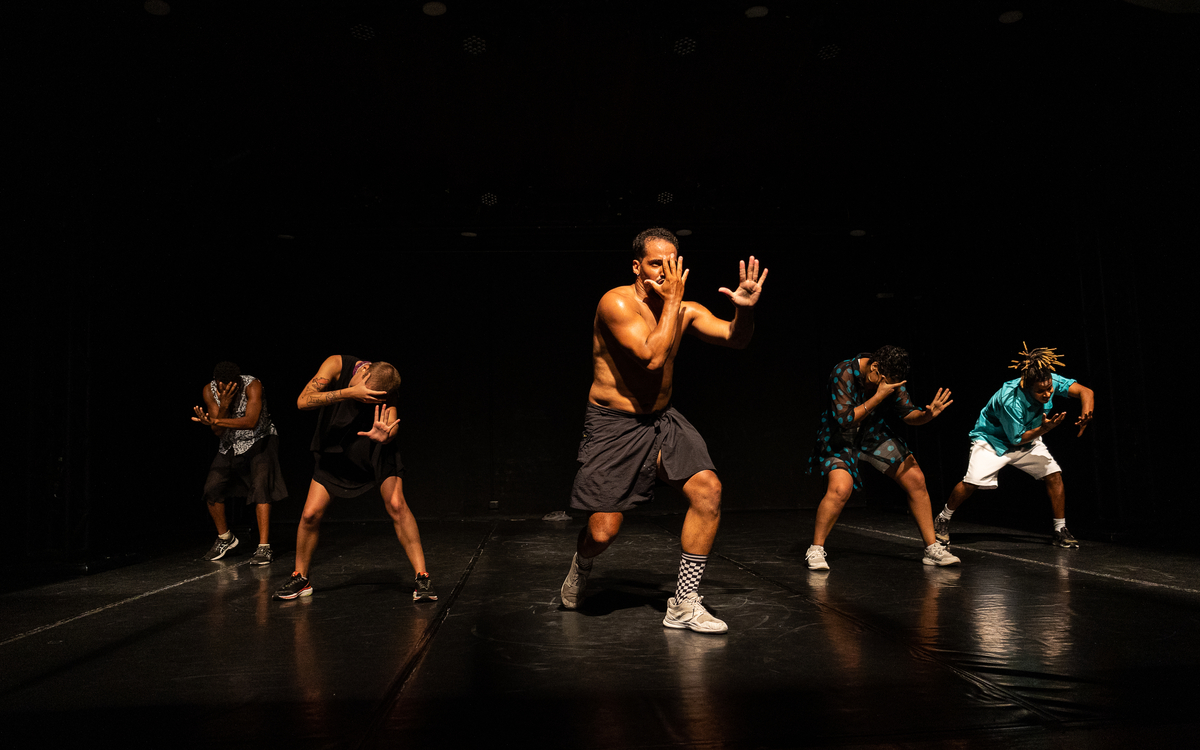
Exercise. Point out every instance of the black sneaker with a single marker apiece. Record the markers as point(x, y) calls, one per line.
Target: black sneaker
point(296, 586)
point(941, 530)
point(424, 589)
point(262, 555)
point(220, 547)
point(1065, 539)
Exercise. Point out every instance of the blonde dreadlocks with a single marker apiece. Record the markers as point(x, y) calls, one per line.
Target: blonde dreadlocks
point(1035, 365)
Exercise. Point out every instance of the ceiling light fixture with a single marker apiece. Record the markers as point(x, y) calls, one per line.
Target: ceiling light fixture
point(828, 52)
point(685, 46)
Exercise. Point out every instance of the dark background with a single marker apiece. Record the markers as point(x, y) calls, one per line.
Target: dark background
point(276, 182)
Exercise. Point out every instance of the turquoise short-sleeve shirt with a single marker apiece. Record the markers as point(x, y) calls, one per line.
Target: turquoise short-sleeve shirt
point(1010, 413)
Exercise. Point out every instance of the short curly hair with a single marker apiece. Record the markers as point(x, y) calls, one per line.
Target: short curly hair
point(892, 361)
point(227, 372)
point(639, 242)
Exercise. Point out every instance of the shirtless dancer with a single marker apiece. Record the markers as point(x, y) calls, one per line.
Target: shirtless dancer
point(633, 436)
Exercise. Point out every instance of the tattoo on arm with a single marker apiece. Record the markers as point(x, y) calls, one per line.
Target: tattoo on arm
point(323, 399)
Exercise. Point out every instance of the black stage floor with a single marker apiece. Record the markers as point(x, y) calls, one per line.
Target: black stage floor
point(1023, 646)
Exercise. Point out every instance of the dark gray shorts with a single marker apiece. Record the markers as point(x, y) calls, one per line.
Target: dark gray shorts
point(254, 475)
point(619, 452)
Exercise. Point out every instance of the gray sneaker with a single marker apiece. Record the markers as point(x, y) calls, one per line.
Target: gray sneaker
point(691, 614)
point(816, 558)
point(220, 547)
point(262, 555)
point(936, 554)
point(941, 529)
point(572, 588)
point(1066, 539)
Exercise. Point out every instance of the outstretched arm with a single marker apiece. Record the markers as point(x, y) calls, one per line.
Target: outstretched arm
point(940, 401)
point(649, 346)
point(314, 396)
point(734, 333)
point(1087, 398)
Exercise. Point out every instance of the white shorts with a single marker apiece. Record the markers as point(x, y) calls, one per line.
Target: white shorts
point(1034, 459)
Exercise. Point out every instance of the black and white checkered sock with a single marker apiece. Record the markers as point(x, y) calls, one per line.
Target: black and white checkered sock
point(691, 569)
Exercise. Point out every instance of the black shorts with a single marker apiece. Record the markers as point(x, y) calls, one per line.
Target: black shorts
point(363, 466)
point(254, 475)
point(619, 453)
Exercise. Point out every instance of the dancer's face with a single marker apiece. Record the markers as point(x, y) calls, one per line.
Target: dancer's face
point(875, 377)
point(1041, 392)
point(652, 266)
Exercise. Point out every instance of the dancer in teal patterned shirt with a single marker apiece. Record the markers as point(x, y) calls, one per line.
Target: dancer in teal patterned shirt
point(853, 430)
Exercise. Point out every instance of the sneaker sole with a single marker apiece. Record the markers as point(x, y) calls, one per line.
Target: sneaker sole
point(288, 597)
point(424, 598)
point(819, 566)
point(931, 562)
point(569, 605)
point(667, 623)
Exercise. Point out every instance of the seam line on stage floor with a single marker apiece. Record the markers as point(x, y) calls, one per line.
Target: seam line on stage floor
point(1045, 715)
point(1123, 579)
point(98, 610)
point(392, 695)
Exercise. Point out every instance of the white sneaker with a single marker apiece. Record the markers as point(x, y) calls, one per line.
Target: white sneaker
point(936, 554)
point(572, 588)
point(816, 558)
point(692, 615)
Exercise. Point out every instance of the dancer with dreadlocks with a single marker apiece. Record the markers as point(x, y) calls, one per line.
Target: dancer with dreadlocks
point(1009, 433)
point(853, 431)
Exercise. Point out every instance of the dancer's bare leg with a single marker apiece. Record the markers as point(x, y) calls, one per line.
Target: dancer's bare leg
point(404, 522)
point(909, 476)
point(310, 525)
point(837, 493)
